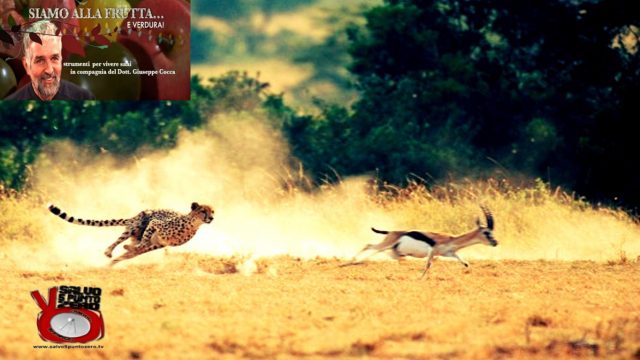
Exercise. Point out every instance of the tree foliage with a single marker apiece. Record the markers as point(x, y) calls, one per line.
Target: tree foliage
point(120, 128)
point(542, 87)
point(239, 9)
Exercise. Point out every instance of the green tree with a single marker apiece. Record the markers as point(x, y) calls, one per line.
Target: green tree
point(124, 128)
point(544, 87)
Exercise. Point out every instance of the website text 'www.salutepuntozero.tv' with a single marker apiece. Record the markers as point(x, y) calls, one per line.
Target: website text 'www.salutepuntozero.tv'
point(68, 346)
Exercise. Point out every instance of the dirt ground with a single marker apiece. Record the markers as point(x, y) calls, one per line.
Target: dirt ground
point(196, 306)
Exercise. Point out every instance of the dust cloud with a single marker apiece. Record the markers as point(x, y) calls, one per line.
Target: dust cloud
point(238, 164)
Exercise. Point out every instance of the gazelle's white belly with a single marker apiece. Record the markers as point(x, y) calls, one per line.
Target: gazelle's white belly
point(408, 246)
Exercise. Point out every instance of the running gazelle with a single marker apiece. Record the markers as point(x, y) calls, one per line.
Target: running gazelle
point(423, 244)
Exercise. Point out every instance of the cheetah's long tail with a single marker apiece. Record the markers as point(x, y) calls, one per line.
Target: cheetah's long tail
point(63, 215)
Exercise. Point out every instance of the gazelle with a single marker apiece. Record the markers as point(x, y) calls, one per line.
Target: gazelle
point(423, 244)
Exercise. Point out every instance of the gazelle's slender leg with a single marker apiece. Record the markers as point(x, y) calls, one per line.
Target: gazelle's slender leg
point(454, 255)
point(355, 260)
point(368, 247)
point(373, 253)
point(427, 265)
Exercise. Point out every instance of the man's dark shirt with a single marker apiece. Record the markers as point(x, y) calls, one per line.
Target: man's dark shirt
point(66, 91)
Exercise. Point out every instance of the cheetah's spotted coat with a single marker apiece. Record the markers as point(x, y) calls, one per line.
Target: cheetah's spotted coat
point(150, 229)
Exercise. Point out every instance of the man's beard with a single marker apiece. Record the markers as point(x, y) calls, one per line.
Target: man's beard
point(48, 91)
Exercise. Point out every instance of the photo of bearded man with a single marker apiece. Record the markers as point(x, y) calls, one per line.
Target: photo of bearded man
point(43, 64)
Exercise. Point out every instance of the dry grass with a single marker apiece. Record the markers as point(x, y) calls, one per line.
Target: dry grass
point(534, 221)
point(18, 226)
point(195, 306)
point(189, 305)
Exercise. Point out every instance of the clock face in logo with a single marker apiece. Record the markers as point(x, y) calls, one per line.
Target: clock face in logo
point(70, 324)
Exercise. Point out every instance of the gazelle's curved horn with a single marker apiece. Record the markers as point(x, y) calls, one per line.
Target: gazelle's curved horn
point(487, 214)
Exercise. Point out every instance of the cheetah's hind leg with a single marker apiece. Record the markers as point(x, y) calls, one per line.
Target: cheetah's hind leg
point(132, 245)
point(147, 236)
point(125, 235)
point(142, 246)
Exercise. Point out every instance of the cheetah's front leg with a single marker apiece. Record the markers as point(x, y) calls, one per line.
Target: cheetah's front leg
point(128, 255)
point(135, 252)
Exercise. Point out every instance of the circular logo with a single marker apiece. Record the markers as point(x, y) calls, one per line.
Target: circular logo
point(70, 325)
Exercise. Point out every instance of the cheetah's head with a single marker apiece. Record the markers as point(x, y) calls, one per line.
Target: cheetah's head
point(203, 212)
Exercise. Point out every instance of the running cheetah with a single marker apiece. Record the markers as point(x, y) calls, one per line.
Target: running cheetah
point(150, 229)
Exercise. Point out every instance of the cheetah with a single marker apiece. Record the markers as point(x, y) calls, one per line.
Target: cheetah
point(150, 229)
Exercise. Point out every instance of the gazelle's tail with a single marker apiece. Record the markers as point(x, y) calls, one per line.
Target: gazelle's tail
point(379, 231)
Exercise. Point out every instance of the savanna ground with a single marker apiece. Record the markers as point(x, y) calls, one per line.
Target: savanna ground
point(196, 306)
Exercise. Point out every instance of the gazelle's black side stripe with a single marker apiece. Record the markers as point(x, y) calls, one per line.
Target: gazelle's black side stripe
point(421, 237)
